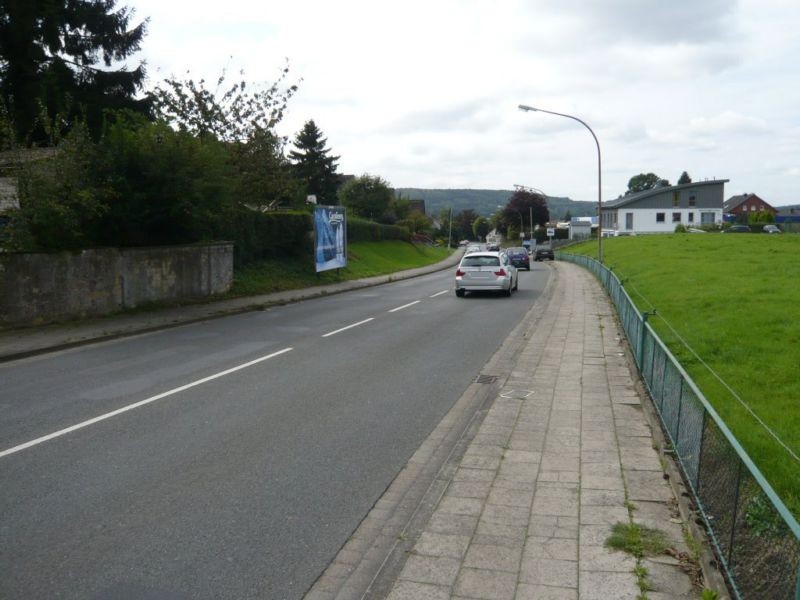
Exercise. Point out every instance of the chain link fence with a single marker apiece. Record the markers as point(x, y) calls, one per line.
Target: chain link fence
point(755, 537)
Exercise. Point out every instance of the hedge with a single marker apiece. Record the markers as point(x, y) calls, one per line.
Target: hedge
point(258, 235)
point(362, 230)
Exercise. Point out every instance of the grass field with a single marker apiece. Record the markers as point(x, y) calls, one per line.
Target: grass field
point(735, 300)
point(364, 259)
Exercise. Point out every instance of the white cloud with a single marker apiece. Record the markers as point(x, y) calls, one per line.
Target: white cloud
point(425, 93)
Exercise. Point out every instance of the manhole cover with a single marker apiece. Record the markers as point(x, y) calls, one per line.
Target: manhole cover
point(486, 379)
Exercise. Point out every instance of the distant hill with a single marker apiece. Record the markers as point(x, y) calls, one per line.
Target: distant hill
point(485, 202)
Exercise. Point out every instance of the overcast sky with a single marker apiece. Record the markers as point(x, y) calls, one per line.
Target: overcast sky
point(425, 93)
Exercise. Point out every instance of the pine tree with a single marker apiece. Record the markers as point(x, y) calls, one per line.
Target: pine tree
point(49, 55)
point(313, 166)
point(684, 178)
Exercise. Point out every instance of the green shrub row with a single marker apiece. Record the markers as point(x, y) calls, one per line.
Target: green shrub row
point(362, 230)
point(258, 235)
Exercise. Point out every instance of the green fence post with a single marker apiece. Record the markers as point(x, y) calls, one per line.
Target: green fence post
point(640, 353)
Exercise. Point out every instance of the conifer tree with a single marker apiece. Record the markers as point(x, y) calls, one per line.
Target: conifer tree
point(60, 60)
point(313, 166)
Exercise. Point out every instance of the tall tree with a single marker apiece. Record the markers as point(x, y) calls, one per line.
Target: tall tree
point(644, 181)
point(684, 178)
point(521, 206)
point(56, 60)
point(313, 165)
point(366, 196)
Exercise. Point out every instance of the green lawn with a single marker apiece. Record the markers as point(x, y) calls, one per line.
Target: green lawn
point(364, 259)
point(735, 299)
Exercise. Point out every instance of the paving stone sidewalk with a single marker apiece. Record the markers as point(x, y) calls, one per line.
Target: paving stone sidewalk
point(564, 453)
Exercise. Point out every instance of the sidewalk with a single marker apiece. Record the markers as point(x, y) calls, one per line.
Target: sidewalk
point(27, 341)
point(565, 452)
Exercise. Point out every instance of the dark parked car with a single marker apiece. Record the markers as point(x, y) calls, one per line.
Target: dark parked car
point(519, 258)
point(543, 251)
point(771, 229)
point(737, 229)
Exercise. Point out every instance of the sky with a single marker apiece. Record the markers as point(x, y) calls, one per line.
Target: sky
point(426, 93)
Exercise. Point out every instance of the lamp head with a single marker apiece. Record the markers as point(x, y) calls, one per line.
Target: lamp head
point(527, 108)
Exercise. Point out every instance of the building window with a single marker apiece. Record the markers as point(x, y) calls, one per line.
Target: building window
point(676, 198)
point(628, 220)
point(707, 218)
point(690, 217)
point(692, 200)
point(676, 217)
point(660, 217)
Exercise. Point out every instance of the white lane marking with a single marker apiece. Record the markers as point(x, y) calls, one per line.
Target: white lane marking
point(330, 333)
point(439, 294)
point(124, 409)
point(405, 306)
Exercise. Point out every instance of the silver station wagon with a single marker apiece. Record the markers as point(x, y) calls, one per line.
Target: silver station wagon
point(486, 271)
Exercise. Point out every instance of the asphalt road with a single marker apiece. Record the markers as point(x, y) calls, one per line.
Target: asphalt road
point(230, 458)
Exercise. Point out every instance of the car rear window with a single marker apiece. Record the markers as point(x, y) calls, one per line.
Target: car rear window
point(480, 261)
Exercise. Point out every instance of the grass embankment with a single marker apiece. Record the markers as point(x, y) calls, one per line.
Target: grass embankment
point(735, 299)
point(364, 259)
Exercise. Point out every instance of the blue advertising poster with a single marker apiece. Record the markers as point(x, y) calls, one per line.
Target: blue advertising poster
point(330, 239)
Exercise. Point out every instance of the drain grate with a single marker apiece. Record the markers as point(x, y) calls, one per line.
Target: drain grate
point(486, 379)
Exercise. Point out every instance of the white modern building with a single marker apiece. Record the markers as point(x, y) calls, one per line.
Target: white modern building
point(661, 209)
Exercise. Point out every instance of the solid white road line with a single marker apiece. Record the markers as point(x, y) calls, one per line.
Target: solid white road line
point(330, 333)
point(438, 294)
point(124, 409)
point(405, 306)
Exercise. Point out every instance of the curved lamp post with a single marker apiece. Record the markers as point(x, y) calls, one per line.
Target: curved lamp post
point(599, 178)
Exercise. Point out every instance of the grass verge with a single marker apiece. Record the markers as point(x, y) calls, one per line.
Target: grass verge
point(364, 259)
point(734, 301)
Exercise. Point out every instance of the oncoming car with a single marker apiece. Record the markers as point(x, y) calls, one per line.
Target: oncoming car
point(486, 271)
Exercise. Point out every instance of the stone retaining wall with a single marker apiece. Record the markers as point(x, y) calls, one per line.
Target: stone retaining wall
point(39, 288)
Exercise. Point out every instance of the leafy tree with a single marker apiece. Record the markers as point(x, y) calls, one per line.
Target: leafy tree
point(481, 227)
point(523, 203)
point(567, 216)
point(52, 55)
point(416, 222)
point(462, 224)
point(58, 205)
point(684, 178)
point(314, 167)
point(644, 181)
point(236, 114)
point(366, 196)
point(244, 117)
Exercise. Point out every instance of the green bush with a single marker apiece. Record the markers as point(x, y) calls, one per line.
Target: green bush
point(258, 235)
point(362, 230)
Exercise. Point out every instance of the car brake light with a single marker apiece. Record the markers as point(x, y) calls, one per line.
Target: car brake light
point(500, 273)
point(459, 273)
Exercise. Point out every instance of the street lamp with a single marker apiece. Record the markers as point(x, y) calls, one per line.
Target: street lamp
point(599, 178)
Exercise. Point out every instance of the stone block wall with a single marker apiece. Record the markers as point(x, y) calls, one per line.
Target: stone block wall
point(40, 288)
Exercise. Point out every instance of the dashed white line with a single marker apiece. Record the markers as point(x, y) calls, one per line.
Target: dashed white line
point(330, 333)
point(124, 409)
point(439, 294)
point(405, 306)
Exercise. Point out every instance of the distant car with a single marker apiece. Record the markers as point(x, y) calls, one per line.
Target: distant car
point(486, 271)
point(518, 257)
point(737, 229)
point(493, 247)
point(473, 248)
point(543, 251)
point(771, 229)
